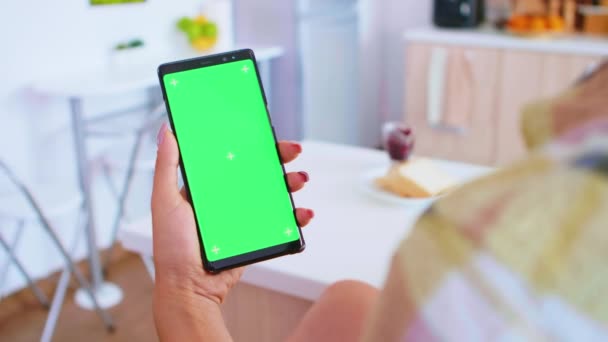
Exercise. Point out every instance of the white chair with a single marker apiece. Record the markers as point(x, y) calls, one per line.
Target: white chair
point(138, 157)
point(22, 206)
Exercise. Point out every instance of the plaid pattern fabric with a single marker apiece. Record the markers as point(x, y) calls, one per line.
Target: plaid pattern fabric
point(583, 105)
point(506, 248)
point(518, 255)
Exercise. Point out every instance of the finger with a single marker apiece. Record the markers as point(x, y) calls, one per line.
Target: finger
point(165, 193)
point(297, 180)
point(289, 150)
point(304, 216)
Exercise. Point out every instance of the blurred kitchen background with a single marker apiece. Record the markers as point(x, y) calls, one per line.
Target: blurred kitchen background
point(456, 71)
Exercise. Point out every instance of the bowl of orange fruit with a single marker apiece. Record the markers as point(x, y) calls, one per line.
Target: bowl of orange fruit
point(533, 25)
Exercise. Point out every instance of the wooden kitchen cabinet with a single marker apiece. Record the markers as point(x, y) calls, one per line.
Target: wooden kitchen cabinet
point(450, 101)
point(464, 102)
point(519, 84)
point(560, 71)
point(527, 77)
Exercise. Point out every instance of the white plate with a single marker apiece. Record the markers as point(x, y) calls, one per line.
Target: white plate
point(367, 184)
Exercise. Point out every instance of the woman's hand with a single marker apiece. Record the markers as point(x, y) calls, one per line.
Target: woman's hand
point(180, 277)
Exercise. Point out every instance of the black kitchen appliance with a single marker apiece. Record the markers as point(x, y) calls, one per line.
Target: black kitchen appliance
point(458, 13)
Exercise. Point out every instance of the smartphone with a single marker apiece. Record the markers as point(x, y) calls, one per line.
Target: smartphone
point(229, 160)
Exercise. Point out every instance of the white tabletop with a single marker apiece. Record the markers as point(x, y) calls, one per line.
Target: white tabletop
point(107, 81)
point(353, 234)
point(490, 38)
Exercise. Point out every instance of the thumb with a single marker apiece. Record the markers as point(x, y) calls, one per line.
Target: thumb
point(165, 194)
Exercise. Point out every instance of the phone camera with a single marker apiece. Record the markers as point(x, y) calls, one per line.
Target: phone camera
point(233, 57)
point(225, 59)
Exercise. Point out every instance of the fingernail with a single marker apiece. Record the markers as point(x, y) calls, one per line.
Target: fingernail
point(304, 176)
point(162, 132)
point(297, 147)
point(311, 213)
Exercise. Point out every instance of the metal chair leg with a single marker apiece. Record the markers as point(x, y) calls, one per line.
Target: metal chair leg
point(51, 321)
point(62, 286)
point(107, 320)
point(105, 171)
point(5, 267)
point(42, 298)
point(105, 317)
point(122, 199)
point(153, 117)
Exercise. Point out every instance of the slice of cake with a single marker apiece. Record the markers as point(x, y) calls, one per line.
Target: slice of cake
point(417, 178)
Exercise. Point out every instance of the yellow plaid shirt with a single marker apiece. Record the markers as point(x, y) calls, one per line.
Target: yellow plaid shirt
point(521, 254)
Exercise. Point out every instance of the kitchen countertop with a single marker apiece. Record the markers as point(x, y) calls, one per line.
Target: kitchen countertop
point(490, 38)
point(353, 235)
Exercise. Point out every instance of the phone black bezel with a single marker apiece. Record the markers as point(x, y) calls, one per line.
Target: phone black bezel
point(293, 247)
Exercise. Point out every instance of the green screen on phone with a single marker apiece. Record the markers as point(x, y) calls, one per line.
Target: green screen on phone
point(230, 159)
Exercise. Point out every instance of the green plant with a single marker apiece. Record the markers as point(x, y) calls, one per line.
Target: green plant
point(132, 44)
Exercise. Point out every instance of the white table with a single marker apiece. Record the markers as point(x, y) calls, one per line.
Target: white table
point(353, 235)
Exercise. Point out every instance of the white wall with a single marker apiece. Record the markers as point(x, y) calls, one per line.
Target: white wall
point(273, 22)
point(43, 39)
point(371, 21)
point(397, 17)
point(46, 39)
point(382, 23)
point(382, 57)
